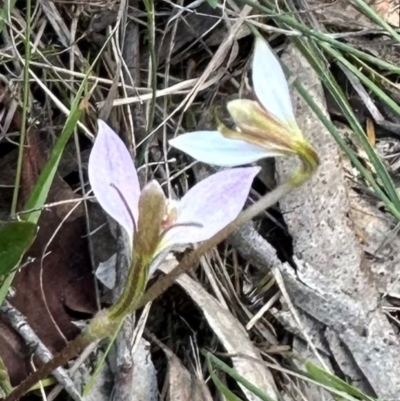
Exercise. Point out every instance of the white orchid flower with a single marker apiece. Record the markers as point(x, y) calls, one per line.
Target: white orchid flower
point(264, 128)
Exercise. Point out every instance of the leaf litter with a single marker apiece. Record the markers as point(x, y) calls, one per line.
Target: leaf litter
point(340, 269)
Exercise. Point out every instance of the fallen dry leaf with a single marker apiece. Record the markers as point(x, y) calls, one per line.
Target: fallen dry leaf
point(389, 10)
point(58, 286)
point(342, 13)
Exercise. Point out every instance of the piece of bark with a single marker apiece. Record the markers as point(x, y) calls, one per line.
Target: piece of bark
point(381, 244)
point(333, 282)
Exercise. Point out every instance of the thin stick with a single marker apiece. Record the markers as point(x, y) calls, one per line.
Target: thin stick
point(19, 323)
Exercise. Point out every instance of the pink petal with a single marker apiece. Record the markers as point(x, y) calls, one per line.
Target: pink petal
point(213, 203)
point(113, 178)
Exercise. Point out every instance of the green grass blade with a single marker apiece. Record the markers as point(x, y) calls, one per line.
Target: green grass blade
point(290, 22)
point(39, 193)
point(25, 108)
point(336, 92)
point(220, 386)
point(151, 29)
point(368, 82)
point(232, 372)
point(5, 10)
point(212, 3)
point(331, 381)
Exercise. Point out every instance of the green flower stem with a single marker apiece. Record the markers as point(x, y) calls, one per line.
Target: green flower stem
point(133, 290)
point(310, 162)
point(25, 108)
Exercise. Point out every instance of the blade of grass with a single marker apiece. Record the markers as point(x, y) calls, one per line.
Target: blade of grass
point(15, 238)
point(212, 3)
point(5, 11)
point(328, 382)
point(220, 386)
point(25, 108)
point(38, 196)
point(149, 4)
point(323, 377)
point(368, 82)
point(213, 360)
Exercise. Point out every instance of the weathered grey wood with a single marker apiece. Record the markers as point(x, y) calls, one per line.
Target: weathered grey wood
point(333, 283)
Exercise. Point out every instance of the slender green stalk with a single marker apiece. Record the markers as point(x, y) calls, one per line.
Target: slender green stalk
point(149, 4)
point(25, 108)
point(218, 383)
point(368, 82)
point(212, 360)
point(133, 290)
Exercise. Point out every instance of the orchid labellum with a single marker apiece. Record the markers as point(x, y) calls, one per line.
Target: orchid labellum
point(264, 128)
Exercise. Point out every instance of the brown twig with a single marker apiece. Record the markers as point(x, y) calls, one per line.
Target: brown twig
point(72, 349)
point(18, 321)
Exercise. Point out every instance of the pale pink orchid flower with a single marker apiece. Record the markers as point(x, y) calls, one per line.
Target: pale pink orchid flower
point(202, 212)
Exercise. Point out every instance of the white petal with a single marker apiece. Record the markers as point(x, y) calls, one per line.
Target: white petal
point(269, 82)
point(212, 147)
